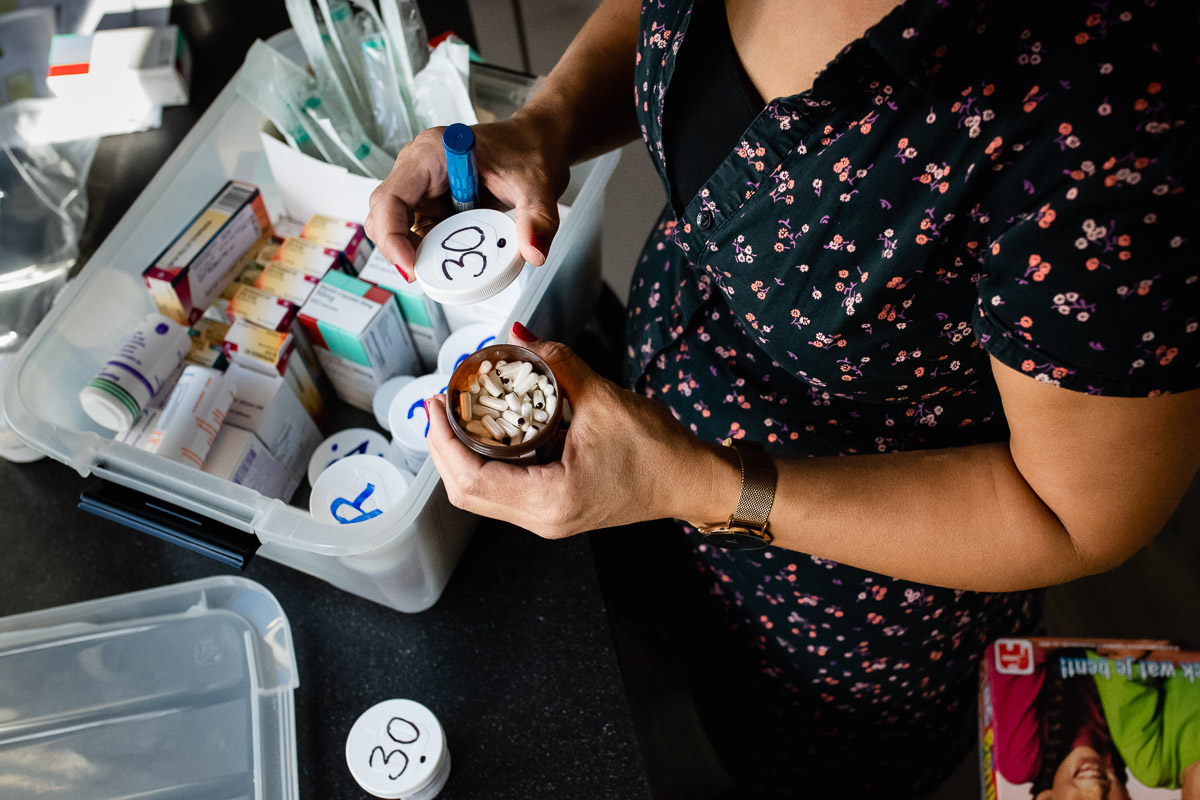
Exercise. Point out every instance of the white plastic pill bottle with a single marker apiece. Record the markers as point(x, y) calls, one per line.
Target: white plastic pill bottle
point(397, 749)
point(408, 421)
point(136, 373)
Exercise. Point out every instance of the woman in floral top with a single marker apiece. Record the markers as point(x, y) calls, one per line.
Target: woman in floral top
point(959, 252)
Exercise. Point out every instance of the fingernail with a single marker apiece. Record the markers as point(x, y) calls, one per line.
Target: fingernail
point(425, 403)
point(523, 333)
point(403, 272)
point(541, 243)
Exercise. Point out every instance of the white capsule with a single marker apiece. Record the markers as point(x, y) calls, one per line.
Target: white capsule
point(539, 399)
point(526, 426)
point(508, 428)
point(527, 410)
point(493, 402)
point(491, 385)
point(525, 369)
point(485, 368)
point(513, 402)
point(510, 369)
point(475, 427)
point(514, 418)
point(540, 416)
point(493, 427)
point(529, 434)
point(551, 402)
point(548, 390)
point(567, 414)
point(464, 406)
point(484, 411)
point(500, 364)
point(523, 385)
point(473, 384)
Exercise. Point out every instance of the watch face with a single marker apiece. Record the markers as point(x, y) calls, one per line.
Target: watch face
point(736, 539)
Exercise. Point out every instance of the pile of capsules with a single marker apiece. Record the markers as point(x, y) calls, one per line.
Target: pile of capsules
point(507, 403)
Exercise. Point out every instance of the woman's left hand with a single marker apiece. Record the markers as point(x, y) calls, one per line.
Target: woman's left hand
point(625, 459)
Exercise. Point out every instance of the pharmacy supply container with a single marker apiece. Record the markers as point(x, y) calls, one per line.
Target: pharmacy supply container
point(402, 558)
point(181, 691)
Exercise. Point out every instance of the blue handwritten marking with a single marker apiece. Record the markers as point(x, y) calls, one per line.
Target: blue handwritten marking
point(412, 410)
point(360, 450)
point(337, 504)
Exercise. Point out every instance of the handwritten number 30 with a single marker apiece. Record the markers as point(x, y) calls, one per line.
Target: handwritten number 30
point(400, 731)
point(473, 250)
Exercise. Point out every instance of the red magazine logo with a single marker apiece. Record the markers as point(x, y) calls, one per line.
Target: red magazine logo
point(1014, 657)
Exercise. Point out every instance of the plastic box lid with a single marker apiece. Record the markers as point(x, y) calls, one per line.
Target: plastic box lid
point(181, 691)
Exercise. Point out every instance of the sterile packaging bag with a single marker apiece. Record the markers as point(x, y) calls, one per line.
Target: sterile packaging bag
point(441, 91)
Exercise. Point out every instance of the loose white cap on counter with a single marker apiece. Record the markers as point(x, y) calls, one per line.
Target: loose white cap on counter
point(462, 343)
point(469, 257)
point(397, 749)
point(408, 421)
point(356, 489)
point(350, 442)
point(382, 401)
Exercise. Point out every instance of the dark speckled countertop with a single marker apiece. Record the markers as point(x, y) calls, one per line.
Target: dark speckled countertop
point(516, 659)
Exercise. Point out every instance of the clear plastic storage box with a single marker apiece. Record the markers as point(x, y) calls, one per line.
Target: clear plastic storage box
point(183, 691)
point(402, 558)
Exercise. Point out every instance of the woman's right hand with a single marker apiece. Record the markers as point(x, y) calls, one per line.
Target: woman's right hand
point(519, 162)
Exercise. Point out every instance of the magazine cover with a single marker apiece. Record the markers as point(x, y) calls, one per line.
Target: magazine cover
point(1077, 719)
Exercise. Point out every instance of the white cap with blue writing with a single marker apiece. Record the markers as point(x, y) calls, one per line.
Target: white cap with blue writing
point(348, 442)
point(408, 421)
point(462, 343)
point(382, 401)
point(469, 257)
point(397, 749)
point(356, 489)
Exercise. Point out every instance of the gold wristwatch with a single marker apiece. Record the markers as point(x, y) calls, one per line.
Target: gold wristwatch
point(747, 528)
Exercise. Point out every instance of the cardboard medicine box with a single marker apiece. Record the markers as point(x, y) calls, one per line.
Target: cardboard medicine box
point(240, 301)
point(141, 66)
point(346, 237)
point(258, 348)
point(359, 335)
point(237, 455)
point(211, 251)
point(1063, 715)
point(424, 316)
point(265, 405)
point(296, 267)
point(208, 343)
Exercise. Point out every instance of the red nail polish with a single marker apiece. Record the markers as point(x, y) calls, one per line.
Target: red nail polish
point(403, 272)
point(541, 243)
point(523, 333)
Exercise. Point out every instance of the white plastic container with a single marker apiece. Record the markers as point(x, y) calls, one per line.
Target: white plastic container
point(181, 691)
point(136, 373)
point(402, 558)
point(408, 421)
point(462, 343)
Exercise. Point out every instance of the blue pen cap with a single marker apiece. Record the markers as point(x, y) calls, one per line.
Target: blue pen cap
point(459, 142)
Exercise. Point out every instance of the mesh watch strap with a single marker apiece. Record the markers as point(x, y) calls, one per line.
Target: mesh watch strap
point(758, 485)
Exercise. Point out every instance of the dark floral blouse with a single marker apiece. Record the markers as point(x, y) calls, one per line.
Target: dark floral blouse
point(966, 180)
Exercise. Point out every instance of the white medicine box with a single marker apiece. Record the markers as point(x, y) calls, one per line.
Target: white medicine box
point(125, 67)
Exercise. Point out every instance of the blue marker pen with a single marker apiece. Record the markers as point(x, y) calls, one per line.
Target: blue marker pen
point(459, 141)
